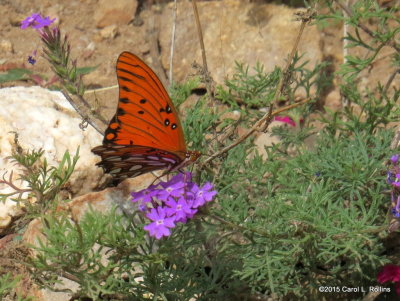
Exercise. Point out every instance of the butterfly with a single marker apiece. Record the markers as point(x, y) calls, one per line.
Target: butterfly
point(145, 133)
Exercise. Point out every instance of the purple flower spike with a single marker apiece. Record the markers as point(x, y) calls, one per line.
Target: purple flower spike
point(36, 21)
point(161, 223)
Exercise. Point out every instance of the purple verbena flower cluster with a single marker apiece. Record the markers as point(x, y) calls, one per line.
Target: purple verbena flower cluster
point(393, 178)
point(36, 21)
point(168, 203)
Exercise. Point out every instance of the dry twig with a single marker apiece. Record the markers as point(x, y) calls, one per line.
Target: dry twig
point(203, 50)
point(267, 118)
point(171, 59)
point(349, 12)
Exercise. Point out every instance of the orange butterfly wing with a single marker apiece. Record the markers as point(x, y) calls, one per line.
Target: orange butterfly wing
point(145, 134)
point(146, 115)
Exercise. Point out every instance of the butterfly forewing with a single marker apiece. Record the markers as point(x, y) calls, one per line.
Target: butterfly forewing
point(145, 134)
point(146, 115)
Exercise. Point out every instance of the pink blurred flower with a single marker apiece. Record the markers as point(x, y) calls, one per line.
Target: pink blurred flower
point(390, 272)
point(285, 119)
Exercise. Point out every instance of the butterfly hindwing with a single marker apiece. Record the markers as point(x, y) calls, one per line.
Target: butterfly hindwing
point(131, 161)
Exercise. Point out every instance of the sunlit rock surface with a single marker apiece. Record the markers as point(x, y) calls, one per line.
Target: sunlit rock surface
point(35, 118)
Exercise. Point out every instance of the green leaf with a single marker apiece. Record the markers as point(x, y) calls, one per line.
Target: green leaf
point(14, 74)
point(86, 70)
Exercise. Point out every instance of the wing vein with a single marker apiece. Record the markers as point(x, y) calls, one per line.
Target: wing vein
point(155, 92)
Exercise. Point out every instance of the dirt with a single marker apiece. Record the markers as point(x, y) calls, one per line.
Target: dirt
point(89, 45)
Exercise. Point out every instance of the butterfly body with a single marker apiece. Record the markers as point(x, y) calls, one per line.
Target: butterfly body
point(145, 134)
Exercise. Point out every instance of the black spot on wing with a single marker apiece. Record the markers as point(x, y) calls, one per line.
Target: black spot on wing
point(126, 89)
point(120, 112)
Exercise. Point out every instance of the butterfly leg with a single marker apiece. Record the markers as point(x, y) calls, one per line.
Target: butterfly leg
point(166, 172)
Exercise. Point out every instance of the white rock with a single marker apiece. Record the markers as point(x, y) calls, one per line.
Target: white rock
point(44, 119)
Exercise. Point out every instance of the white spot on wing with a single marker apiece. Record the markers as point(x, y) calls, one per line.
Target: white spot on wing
point(135, 167)
point(115, 170)
point(113, 158)
point(109, 152)
point(156, 163)
point(134, 158)
point(169, 160)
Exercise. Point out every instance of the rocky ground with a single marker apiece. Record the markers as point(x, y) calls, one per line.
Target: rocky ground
point(99, 30)
point(233, 30)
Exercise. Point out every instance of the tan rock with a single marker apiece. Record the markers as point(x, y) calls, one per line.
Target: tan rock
point(6, 46)
point(235, 31)
point(333, 100)
point(101, 201)
point(109, 32)
point(234, 115)
point(117, 12)
point(266, 139)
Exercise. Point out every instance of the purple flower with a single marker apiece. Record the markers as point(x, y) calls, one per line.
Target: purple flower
point(180, 210)
point(396, 181)
point(395, 158)
point(395, 206)
point(144, 195)
point(31, 60)
point(203, 194)
point(161, 223)
point(393, 178)
point(176, 189)
point(172, 202)
point(396, 213)
point(390, 177)
point(36, 21)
